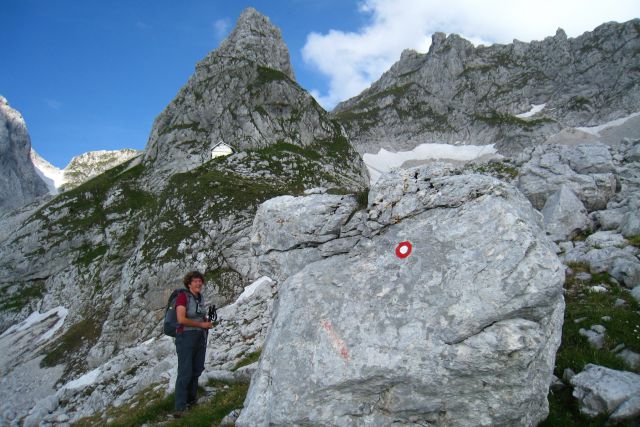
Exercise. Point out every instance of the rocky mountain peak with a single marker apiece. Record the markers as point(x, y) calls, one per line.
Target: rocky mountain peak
point(242, 94)
point(257, 39)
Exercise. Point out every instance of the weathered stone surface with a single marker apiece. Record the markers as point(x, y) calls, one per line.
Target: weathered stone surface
point(462, 331)
point(564, 215)
point(290, 232)
point(553, 166)
point(622, 263)
point(19, 182)
point(630, 224)
point(602, 390)
point(606, 239)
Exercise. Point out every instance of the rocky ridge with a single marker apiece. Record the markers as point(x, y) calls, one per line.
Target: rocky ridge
point(19, 182)
point(85, 166)
point(458, 93)
point(81, 168)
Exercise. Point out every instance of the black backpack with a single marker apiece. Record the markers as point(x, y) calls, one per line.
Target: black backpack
point(170, 317)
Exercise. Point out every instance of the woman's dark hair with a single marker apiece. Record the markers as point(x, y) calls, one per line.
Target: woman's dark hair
point(190, 276)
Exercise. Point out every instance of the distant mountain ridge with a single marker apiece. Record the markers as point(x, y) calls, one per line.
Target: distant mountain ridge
point(458, 93)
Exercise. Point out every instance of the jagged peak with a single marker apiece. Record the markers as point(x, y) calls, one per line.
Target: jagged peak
point(440, 41)
point(257, 39)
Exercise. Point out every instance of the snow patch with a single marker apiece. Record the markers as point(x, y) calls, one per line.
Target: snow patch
point(37, 317)
point(51, 175)
point(595, 130)
point(85, 380)
point(535, 109)
point(385, 160)
point(249, 290)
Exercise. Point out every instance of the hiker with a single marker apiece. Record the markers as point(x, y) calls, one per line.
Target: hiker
point(191, 340)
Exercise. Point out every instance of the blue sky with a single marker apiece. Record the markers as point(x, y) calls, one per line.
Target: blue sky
point(93, 74)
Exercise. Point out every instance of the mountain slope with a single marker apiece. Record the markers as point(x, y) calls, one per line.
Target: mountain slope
point(19, 182)
point(476, 95)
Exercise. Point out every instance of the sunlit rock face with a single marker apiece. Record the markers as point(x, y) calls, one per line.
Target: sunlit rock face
point(19, 182)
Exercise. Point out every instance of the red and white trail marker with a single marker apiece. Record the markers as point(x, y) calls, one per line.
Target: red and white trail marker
point(403, 249)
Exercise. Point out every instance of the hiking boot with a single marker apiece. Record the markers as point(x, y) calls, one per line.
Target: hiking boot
point(178, 414)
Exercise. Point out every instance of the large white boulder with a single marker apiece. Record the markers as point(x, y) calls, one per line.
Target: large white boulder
point(460, 328)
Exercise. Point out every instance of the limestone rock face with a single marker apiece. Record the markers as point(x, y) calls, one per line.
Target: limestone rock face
point(484, 95)
point(586, 169)
point(243, 94)
point(564, 215)
point(461, 331)
point(289, 232)
point(19, 182)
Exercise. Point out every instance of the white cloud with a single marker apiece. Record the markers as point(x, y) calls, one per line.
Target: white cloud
point(221, 28)
point(53, 104)
point(352, 60)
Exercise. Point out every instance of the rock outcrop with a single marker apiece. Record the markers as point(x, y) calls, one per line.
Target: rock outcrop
point(244, 94)
point(484, 95)
point(460, 328)
point(587, 170)
point(19, 182)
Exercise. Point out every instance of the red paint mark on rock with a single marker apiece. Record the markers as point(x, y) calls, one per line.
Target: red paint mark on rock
point(337, 342)
point(404, 249)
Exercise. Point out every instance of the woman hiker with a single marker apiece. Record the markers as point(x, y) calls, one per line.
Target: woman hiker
point(191, 340)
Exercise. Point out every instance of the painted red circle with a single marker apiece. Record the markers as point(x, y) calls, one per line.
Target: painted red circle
point(403, 249)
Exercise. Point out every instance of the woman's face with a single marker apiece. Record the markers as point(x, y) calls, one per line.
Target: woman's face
point(196, 285)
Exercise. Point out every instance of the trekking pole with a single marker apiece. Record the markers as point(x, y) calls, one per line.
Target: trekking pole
point(212, 314)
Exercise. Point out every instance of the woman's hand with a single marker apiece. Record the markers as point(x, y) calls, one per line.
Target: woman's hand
point(206, 325)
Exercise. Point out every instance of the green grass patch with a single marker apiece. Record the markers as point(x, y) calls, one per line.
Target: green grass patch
point(148, 406)
point(504, 170)
point(267, 75)
point(211, 413)
point(279, 147)
point(195, 127)
point(575, 352)
point(247, 360)
point(17, 300)
point(81, 335)
point(589, 308)
point(89, 253)
point(634, 241)
point(151, 407)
